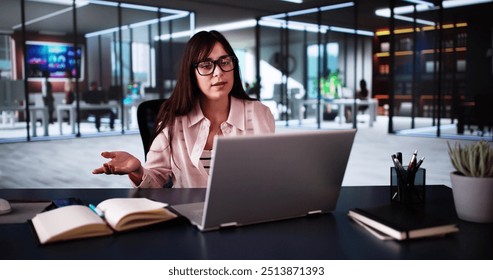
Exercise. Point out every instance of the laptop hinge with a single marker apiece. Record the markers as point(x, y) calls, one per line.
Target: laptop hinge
point(232, 224)
point(314, 212)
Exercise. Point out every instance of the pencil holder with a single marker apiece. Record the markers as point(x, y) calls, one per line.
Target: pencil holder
point(407, 187)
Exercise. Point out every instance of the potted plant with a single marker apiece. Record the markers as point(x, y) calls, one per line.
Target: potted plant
point(472, 182)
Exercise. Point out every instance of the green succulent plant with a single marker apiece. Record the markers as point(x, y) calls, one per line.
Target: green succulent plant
point(475, 160)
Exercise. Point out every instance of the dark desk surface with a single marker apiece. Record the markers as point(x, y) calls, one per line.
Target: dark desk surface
point(326, 236)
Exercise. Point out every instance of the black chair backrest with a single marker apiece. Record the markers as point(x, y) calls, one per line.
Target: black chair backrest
point(146, 117)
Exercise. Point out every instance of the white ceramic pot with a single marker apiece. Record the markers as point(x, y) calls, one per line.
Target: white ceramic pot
point(473, 197)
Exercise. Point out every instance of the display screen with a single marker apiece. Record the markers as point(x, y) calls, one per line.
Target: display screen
point(56, 59)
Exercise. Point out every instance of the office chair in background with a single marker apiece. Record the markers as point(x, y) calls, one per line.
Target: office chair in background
point(482, 110)
point(146, 117)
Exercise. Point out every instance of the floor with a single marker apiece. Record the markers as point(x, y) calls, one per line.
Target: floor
point(68, 163)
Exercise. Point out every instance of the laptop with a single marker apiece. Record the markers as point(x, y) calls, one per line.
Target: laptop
point(271, 177)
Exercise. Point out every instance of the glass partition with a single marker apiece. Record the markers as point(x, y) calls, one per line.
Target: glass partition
point(82, 75)
point(13, 105)
point(428, 73)
point(312, 62)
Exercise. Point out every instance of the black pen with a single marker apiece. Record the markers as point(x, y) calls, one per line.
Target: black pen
point(419, 163)
point(398, 165)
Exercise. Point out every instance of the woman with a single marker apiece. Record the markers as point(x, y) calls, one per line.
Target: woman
point(208, 101)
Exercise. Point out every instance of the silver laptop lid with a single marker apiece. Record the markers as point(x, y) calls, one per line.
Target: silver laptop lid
point(271, 177)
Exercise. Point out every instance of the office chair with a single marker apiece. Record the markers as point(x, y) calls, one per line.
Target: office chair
point(482, 109)
point(146, 117)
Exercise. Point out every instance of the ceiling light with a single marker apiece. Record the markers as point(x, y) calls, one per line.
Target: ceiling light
point(410, 19)
point(351, 31)
point(106, 31)
point(276, 22)
point(61, 2)
point(425, 6)
point(294, 1)
point(460, 3)
point(421, 2)
point(231, 25)
point(310, 27)
point(139, 7)
point(336, 6)
point(402, 10)
point(292, 25)
point(311, 11)
point(104, 3)
point(138, 24)
point(47, 16)
point(220, 27)
point(302, 12)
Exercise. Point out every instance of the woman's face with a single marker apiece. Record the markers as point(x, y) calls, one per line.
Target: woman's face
point(217, 85)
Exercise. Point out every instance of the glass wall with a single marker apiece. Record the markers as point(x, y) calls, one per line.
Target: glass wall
point(428, 74)
point(308, 63)
point(49, 62)
point(5, 59)
point(332, 54)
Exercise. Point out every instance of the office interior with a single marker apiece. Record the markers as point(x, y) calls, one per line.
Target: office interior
point(428, 64)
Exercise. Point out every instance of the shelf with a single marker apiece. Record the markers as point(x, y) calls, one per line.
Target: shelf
point(453, 56)
point(386, 32)
point(423, 52)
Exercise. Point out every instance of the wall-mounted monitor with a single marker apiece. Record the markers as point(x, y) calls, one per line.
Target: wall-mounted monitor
point(56, 59)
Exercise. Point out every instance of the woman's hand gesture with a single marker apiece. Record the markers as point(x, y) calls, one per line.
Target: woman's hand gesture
point(120, 163)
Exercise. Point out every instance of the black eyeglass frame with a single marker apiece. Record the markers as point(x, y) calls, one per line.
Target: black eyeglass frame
point(234, 60)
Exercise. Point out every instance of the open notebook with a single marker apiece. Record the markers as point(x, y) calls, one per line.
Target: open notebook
point(263, 178)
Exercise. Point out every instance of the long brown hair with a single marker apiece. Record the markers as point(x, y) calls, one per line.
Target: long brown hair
point(187, 92)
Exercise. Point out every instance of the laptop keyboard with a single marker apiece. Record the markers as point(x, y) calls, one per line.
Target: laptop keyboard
point(192, 211)
point(196, 215)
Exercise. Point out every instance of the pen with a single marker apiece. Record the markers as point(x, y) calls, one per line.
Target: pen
point(393, 157)
point(399, 157)
point(395, 160)
point(96, 210)
point(412, 162)
point(419, 163)
point(398, 165)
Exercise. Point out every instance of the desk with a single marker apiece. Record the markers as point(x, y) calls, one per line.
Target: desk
point(325, 236)
point(32, 113)
point(72, 108)
point(341, 103)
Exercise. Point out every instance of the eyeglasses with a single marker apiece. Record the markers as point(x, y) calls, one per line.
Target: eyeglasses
point(226, 63)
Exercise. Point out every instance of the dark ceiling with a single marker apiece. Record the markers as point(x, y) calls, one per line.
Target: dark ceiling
point(94, 17)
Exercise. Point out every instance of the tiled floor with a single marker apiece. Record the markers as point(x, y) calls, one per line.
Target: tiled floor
point(68, 163)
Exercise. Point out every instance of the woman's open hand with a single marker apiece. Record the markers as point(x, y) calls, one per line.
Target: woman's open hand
point(120, 163)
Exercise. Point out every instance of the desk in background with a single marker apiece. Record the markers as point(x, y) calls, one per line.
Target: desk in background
point(371, 103)
point(341, 104)
point(325, 236)
point(72, 109)
point(32, 112)
point(130, 113)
